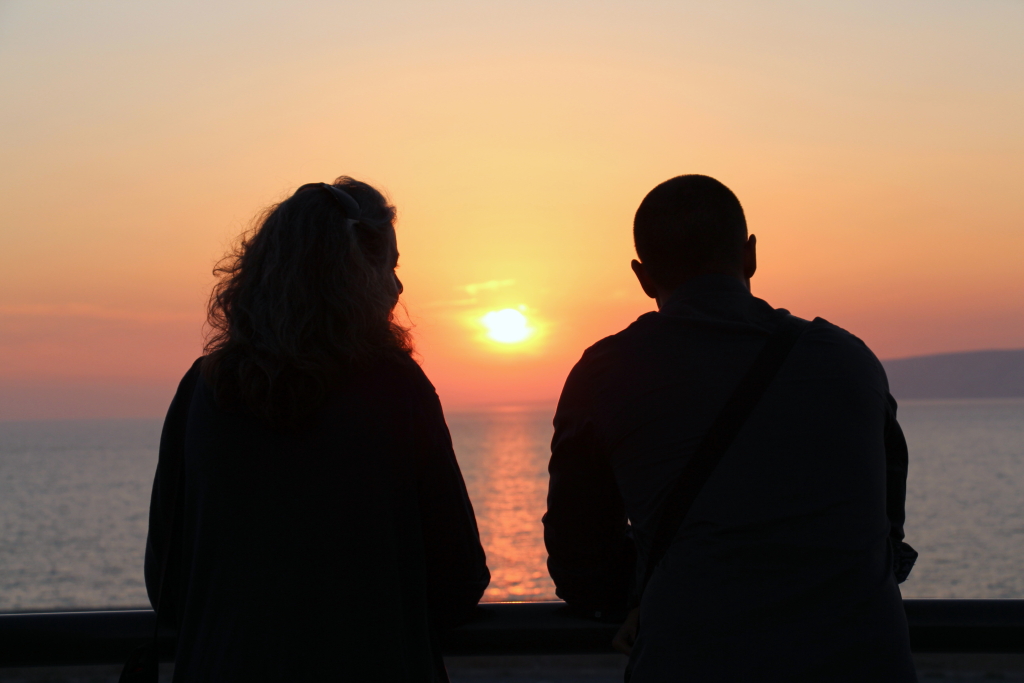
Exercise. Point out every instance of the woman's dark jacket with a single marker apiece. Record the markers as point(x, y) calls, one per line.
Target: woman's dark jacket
point(331, 552)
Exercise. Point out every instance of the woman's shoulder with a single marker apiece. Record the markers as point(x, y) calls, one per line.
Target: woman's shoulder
point(400, 368)
point(395, 378)
point(192, 377)
point(392, 394)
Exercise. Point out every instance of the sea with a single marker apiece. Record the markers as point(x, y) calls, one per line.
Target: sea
point(74, 496)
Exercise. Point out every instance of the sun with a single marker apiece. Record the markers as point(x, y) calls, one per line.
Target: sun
point(507, 326)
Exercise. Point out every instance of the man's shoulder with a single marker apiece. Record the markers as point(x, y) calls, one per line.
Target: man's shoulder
point(838, 350)
point(823, 332)
point(607, 359)
point(611, 351)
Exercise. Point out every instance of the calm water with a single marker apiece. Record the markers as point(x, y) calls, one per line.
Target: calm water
point(74, 498)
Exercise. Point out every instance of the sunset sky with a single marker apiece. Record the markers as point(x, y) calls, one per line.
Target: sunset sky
point(877, 147)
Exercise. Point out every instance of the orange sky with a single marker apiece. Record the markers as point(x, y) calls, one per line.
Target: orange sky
point(877, 148)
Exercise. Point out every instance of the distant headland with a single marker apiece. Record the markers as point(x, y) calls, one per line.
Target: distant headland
point(971, 374)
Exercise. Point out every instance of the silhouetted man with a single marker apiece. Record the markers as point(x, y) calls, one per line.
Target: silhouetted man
point(785, 567)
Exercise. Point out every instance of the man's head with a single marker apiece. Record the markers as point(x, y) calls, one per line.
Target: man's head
point(687, 226)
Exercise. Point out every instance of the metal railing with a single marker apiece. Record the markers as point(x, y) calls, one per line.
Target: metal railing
point(524, 628)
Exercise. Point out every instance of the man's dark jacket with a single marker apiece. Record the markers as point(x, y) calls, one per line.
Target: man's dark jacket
point(785, 568)
point(326, 553)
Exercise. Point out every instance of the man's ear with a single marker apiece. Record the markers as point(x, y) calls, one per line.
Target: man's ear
point(749, 258)
point(646, 283)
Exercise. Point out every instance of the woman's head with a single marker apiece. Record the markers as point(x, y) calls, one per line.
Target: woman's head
point(307, 295)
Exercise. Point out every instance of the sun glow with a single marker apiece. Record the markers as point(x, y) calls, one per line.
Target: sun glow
point(507, 326)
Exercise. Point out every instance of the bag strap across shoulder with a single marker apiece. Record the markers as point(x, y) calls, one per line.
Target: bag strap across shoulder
point(720, 436)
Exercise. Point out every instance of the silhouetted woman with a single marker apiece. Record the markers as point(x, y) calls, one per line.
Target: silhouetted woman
point(321, 527)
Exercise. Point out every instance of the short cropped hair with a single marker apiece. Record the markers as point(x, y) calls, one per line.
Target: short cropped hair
point(689, 225)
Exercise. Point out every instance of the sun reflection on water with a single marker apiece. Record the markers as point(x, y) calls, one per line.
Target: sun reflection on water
point(504, 454)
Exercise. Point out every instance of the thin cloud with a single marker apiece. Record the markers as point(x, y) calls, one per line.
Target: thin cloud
point(473, 289)
point(452, 302)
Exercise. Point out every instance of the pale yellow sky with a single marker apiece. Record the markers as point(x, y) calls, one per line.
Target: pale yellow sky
point(877, 148)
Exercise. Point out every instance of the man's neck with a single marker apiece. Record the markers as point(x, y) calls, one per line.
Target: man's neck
point(698, 282)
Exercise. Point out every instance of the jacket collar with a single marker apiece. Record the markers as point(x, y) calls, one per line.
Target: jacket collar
point(702, 286)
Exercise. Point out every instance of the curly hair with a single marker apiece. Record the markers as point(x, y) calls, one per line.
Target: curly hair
point(307, 296)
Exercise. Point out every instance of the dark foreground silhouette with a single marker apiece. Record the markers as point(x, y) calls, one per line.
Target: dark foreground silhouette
point(786, 566)
point(307, 499)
